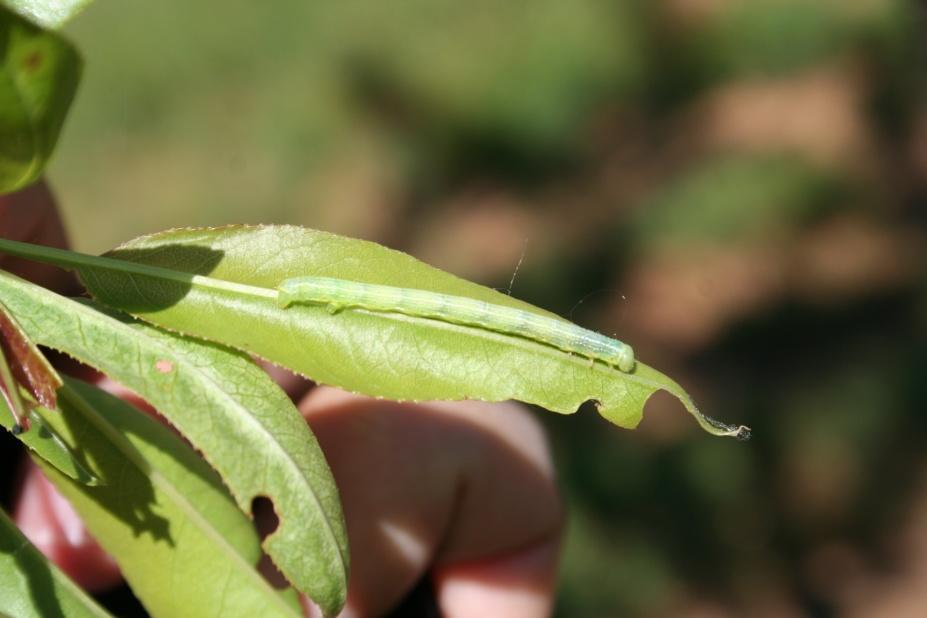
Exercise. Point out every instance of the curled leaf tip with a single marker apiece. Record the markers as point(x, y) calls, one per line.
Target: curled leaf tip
point(717, 428)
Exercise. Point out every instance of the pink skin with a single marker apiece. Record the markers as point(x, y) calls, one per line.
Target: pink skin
point(462, 493)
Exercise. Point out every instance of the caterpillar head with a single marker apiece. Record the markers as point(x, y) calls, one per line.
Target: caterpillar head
point(625, 359)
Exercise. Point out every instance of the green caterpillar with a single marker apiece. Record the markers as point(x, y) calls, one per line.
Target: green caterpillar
point(342, 293)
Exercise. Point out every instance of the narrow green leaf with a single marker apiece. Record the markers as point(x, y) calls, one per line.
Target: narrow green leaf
point(48, 13)
point(39, 72)
point(376, 353)
point(180, 541)
point(30, 586)
point(229, 409)
point(45, 442)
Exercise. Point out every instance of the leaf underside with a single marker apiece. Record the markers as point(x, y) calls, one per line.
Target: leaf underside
point(375, 353)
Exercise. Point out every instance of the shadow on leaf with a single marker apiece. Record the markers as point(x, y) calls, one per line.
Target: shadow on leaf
point(138, 293)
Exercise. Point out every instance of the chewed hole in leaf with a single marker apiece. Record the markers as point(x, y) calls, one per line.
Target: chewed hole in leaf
point(265, 517)
point(266, 522)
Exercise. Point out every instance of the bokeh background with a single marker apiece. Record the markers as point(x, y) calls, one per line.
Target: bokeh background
point(736, 187)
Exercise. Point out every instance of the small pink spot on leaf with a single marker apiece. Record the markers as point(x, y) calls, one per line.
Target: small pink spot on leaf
point(164, 366)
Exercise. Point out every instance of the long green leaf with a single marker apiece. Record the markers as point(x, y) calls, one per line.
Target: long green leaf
point(380, 354)
point(39, 72)
point(180, 541)
point(44, 441)
point(229, 409)
point(30, 586)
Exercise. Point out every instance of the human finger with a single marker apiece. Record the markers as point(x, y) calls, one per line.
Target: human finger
point(451, 489)
point(30, 215)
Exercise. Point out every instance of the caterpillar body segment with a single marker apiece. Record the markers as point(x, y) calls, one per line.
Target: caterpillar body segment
point(338, 294)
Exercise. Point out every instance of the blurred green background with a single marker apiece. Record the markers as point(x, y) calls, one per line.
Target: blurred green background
point(736, 187)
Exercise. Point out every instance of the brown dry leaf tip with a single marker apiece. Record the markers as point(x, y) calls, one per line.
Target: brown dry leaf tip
point(28, 365)
point(739, 432)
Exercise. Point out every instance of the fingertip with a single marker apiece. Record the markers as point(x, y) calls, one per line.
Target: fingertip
point(31, 215)
point(521, 583)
